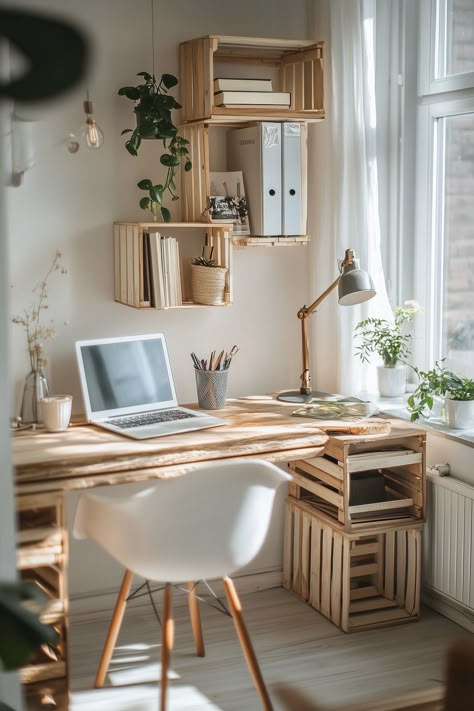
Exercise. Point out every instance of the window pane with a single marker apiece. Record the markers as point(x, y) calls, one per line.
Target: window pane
point(458, 248)
point(457, 19)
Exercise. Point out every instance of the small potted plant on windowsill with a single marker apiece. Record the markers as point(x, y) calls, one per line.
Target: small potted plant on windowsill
point(153, 107)
point(457, 391)
point(376, 335)
point(207, 280)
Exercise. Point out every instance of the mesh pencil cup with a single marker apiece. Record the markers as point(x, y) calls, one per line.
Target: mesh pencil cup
point(211, 388)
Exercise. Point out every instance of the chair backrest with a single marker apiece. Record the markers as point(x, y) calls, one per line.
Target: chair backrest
point(205, 524)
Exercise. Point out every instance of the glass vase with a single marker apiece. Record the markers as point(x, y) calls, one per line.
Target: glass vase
point(34, 390)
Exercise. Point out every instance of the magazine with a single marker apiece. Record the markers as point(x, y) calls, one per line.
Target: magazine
point(227, 201)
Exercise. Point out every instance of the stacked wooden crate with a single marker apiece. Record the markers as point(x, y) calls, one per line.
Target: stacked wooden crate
point(359, 564)
point(41, 560)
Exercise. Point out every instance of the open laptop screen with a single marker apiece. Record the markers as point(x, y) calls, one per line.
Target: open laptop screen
point(124, 373)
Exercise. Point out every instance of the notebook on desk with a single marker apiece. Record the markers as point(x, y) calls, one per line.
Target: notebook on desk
point(128, 388)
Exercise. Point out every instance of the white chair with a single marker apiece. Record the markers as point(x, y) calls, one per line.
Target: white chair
point(203, 525)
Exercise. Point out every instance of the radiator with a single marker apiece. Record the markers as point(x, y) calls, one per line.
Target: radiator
point(448, 549)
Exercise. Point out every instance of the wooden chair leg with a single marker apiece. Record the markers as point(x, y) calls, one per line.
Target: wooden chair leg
point(114, 629)
point(195, 616)
point(246, 644)
point(167, 639)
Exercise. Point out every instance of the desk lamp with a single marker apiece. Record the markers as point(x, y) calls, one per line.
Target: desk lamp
point(355, 286)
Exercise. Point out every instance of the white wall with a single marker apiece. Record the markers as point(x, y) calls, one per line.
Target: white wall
point(69, 202)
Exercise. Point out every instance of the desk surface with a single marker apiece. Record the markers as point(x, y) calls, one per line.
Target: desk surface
point(86, 456)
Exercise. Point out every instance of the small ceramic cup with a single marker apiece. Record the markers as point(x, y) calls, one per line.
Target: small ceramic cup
point(56, 412)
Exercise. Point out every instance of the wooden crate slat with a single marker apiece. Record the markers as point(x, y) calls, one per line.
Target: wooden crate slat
point(390, 564)
point(42, 672)
point(297, 516)
point(374, 603)
point(319, 490)
point(364, 592)
point(336, 581)
point(123, 264)
point(379, 460)
point(324, 464)
point(305, 553)
point(369, 619)
point(401, 538)
point(287, 544)
point(116, 262)
point(380, 506)
point(315, 575)
point(326, 564)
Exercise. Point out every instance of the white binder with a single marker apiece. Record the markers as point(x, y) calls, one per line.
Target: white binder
point(256, 151)
point(292, 217)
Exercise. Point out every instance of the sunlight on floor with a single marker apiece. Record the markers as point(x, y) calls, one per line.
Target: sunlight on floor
point(141, 698)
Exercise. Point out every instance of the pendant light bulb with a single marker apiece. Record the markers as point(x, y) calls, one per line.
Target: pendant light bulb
point(93, 135)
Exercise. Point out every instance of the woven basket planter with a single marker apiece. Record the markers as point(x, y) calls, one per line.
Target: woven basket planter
point(207, 284)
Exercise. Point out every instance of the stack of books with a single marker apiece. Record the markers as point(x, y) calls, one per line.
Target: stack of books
point(161, 271)
point(249, 92)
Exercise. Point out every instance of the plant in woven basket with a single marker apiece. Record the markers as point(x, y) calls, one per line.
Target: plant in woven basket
point(207, 279)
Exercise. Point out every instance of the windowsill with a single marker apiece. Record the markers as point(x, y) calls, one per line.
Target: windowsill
point(396, 407)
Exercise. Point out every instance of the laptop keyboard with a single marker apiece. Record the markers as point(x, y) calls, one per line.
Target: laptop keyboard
point(149, 418)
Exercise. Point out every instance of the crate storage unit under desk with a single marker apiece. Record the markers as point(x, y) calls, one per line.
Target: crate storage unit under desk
point(128, 258)
point(331, 481)
point(357, 580)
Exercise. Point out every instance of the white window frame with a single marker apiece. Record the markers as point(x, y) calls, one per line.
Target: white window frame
point(437, 99)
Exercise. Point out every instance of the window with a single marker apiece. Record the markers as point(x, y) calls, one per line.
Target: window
point(444, 206)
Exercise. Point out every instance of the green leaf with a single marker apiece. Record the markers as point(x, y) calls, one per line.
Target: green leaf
point(131, 148)
point(156, 195)
point(145, 184)
point(166, 214)
point(126, 130)
point(175, 197)
point(145, 75)
point(169, 160)
point(145, 203)
point(131, 92)
point(187, 166)
point(169, 80)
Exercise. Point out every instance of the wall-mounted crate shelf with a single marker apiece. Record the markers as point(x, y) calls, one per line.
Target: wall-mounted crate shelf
point(129, 260)
point(295, 66)
point(358, 580)
point(364, 484)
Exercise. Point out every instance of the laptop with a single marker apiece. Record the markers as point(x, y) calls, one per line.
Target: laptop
point(128, 388)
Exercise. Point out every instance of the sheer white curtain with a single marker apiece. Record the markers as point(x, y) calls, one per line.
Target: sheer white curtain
point(343, 209)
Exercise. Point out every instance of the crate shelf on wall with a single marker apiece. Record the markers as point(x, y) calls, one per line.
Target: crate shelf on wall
point(128, 257)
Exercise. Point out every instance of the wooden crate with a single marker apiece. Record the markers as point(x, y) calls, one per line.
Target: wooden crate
point(41, 560)
point(357, 580)
point(196, 190)
point(295, 66)
point(128, 258)
point(326, 481)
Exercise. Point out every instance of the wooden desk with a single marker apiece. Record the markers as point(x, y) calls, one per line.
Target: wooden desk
point(49, 464)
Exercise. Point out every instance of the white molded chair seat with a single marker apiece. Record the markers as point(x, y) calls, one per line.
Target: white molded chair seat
point(206, 524)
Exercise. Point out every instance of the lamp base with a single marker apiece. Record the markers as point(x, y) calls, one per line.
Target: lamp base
point(297, 397)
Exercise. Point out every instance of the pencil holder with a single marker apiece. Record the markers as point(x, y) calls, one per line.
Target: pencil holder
point(211, 388)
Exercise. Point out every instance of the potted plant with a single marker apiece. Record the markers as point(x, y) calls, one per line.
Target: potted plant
point(207, 280)
point(153, 107)
point(457, 391)
point(379, 336)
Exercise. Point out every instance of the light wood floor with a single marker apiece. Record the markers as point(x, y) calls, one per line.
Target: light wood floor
point(294, 644)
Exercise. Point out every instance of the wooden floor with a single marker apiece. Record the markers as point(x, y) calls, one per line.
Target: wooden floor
point(294, 644)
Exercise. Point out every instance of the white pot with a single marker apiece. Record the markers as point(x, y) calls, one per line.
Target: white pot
point(391, 380)
point(460, 414)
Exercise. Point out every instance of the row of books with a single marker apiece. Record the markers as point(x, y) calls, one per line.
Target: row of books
point(245, 92)
point(161, 271)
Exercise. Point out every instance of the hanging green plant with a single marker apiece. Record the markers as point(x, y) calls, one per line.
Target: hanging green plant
point(154, 120)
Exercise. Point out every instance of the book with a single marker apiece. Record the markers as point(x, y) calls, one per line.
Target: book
point(259, 98)
point(156, 277)
point(243, 84)
point(145, 298)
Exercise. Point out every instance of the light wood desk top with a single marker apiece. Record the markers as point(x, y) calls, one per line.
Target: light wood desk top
point(86, 456)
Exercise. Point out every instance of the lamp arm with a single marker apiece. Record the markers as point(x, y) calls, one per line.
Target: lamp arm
point(303, 314)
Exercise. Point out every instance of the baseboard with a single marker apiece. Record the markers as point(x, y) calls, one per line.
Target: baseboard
point(99, 604)
point(449, 608)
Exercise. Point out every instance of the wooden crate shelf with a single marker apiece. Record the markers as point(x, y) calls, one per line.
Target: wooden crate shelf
point(326, 482)
point(128, 258)
point(357, 580)
point(295, 66)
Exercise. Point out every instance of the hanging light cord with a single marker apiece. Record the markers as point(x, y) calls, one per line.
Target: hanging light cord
point(153, 36)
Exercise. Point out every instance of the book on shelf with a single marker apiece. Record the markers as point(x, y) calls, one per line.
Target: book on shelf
point(243, 84)
point(252, 98)
point(227, 201)
point(164, 274)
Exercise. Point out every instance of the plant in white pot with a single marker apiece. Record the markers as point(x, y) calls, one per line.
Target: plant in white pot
point(207, 280)
point(377, 335)
point(457, 391)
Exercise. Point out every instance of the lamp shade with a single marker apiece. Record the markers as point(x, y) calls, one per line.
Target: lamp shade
point(355, 286)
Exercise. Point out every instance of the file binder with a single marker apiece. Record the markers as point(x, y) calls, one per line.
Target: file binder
point(292, 217)
point(256, 151)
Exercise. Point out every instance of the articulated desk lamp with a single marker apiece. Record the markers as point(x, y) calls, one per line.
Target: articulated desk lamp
point(355, 286)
